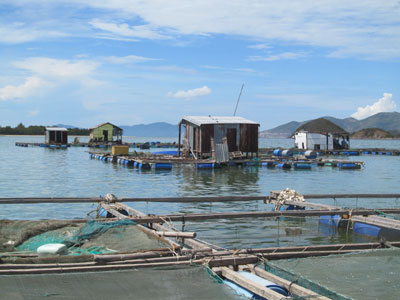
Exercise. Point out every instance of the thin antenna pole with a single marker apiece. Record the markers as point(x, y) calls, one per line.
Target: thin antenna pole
point(237, 103)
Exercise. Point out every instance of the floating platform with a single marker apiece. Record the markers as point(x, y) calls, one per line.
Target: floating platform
point(147, 145)
point(166, 162)
point(281, 152)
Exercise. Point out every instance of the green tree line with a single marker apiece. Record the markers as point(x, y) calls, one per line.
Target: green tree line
point(20, 129)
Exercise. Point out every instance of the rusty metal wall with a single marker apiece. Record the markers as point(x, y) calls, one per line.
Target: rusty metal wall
point(248, 138)
point(207, 132)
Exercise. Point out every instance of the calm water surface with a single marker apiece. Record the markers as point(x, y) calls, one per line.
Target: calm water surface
point(36, 172)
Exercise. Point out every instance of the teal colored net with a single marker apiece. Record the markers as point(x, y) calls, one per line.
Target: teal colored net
point(74, 237)
point(93, 228)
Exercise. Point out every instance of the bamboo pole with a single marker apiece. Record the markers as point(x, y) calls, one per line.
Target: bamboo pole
point(186, 199)
point(261, 214)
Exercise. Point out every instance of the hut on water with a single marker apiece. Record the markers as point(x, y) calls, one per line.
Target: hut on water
point(56, 136)
point(321, 134)
point(105, 133)
point(205, 134)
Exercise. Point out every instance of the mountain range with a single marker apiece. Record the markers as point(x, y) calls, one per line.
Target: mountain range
point(388, 121)
point(158, 129)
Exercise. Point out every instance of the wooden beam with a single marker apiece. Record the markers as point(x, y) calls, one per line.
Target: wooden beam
point(250, 285)
point(162, 199)
point(261, 214)
point(377, 221)
point(293, 288)
point(37, 200)
point(177, 234)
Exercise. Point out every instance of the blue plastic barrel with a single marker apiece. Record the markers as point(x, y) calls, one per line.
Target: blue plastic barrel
point(287, 153)
point(304, 166)
point(164, 166)
point(354, 153)
point(277, 152)
point(330, 220)
point(348, 165)
point(269, 284)
point(366, 229)
point(310, 154)
point(284, 165)
point(205, 166)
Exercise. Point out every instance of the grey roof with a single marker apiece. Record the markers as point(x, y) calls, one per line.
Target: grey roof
point(56, 129)
point(322, 125)
point(201, 120)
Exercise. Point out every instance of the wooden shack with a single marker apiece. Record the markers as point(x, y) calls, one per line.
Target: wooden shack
point(106, 133)
point(204, 133)
point(321, 134)
point(56, 136)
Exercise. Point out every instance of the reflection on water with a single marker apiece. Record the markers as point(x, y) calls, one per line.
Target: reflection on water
point(36, 172)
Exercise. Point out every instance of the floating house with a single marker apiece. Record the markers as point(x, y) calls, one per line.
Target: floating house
point(321, 134)
point(106, 133)
point(56, 136)
point(205, 134)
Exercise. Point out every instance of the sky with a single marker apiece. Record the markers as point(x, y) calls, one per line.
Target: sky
point(85, 62)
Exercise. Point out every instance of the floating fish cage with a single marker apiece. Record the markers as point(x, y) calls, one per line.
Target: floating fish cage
point(68, 248)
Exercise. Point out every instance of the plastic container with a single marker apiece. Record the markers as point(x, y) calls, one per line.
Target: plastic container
point(244, 292)
point(277, 152)
point(287, 153)
point(366, 229)
point(310, 154)
point(120, 150)
point(205, 166)
point(52, 249)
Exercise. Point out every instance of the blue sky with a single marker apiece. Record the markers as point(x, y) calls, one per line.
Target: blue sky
point(84, 62)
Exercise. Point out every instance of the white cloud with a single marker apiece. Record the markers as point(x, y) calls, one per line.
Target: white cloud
point(384, 104)
point(260, 46)
point(361, 28)
point(126, 30)
point(280, 56)
point(48, 72)
point(357, 28)
point(129, 59)
point(49, 67)
point(189, 94)
point(10, 92)
point(21, 33)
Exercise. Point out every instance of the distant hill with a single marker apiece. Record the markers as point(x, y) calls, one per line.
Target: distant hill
point(371, 133)
point(65, 126)
point(388, 121)
point(282, 131)
point(158, 129)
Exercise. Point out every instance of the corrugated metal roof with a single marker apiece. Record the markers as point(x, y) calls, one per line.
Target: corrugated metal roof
point(56, 129)
point(201, 120)
point(105, 124)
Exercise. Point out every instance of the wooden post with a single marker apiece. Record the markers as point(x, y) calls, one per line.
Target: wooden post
point(212, 148)
point(179, 140)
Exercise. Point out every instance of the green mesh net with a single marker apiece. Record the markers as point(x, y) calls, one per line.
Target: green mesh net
point(92, 237)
